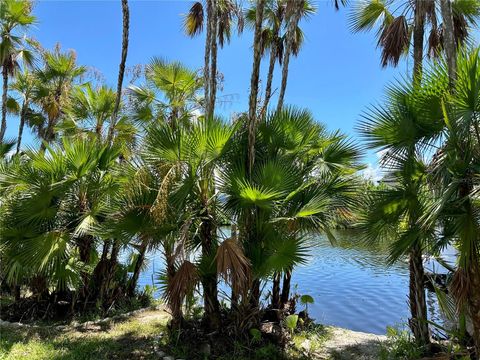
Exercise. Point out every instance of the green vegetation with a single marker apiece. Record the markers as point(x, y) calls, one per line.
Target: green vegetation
point(118, 174)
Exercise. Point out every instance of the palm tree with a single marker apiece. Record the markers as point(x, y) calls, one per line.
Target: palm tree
point(121, 69)
point(93, 107)
point(51, 208)
point(170, 94)
point(271, 38)
point(300, 182)
point(398, 21)
point(14, 14)
point(23, 86)
point(53, 90)
point(403, 129)
point(219, 16)
point(254, 83)
point(295, 11)
point(192, 154)
point(455, 174)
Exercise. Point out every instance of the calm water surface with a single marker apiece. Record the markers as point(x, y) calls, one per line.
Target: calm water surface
point(352, 285)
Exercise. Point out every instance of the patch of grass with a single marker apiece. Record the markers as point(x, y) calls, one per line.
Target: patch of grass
point(129, 339)
point(308, 341)
point(400, 345)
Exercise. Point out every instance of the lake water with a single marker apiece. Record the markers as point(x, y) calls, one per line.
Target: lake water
point(352, 285)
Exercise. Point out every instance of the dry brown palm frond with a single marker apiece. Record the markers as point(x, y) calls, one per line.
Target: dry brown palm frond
point(460, 28)
point(182, 284)
point(393, 40)
point(435, 44)
point(280, 49)
point(193, 22)
point(224, 25)
point(266, 39)
point(232, 265)
point(460, 286)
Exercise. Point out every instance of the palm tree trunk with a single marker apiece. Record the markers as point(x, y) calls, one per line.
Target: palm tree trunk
point(449, 39)
point(206, 70)
point(214, 48)
point(474, 304)
point(21, 125)
point(418, 39)
point(252, 104)
point(121, 70)
point(3, 127)
point(417, 300)
point(291, 32)
point(138, 266)
point(209, 280)
point(276, 291)
point(271, 68)
point(287, 278)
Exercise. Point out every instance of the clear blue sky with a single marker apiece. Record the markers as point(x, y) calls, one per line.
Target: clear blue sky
point(336, 76)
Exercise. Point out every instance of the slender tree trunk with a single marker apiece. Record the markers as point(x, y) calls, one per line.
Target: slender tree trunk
point(138, 266)
point(209, 281)
point(417, 300)
point(206, 70)
point(418, 39)
point(474, 304)
point(21, 125)
point(276, 291)
point(98, 281)
point(85, 245)
point(3, 127)
point(294, 19)
point(287, 278)
point(271, 68)
point(121, 70)
point(252, 104)
point(449, 39)
point(214, 49)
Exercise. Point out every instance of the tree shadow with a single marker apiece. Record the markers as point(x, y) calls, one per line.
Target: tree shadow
point(364, 350)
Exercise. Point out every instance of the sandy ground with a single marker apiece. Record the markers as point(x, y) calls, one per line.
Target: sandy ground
point(347, 344)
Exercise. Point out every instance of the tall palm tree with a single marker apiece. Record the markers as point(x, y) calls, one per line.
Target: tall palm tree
point(254, 82)
point(53, 90)
point(455, 173)
point(402, 129)
point(219, 16)
point(295, 11)
point(121, 68)
point(398, 21)
point(14, 15)
point(23, 86)
point(272, 38)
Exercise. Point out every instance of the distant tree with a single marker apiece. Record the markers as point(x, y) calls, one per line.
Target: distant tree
point(14, 15)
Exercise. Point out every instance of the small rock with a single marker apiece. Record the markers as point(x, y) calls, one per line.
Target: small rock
point(168, 358)
point(266, 327)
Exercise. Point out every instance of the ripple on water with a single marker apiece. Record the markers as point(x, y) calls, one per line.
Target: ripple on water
point(352, 285)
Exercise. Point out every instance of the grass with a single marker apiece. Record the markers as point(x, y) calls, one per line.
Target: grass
point(129, 339)
point(133, 338)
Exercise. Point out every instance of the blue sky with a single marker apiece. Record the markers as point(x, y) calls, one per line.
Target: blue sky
point(336, 76)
